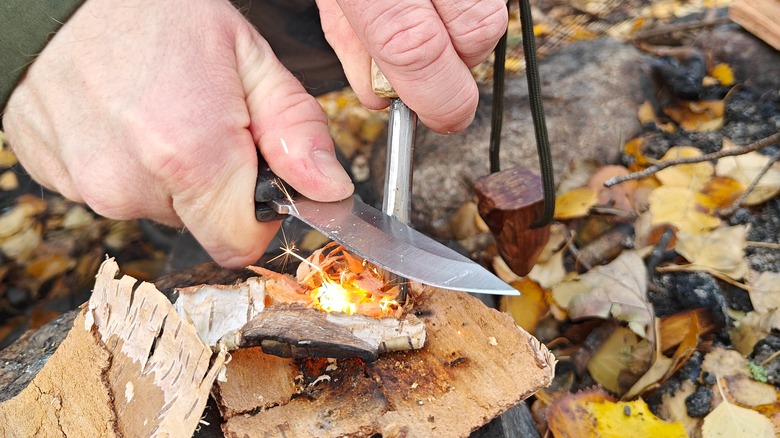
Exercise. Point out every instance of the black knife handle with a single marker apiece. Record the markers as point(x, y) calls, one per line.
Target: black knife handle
point(269, 187)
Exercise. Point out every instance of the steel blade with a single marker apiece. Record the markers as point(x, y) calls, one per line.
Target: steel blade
point(393, 246)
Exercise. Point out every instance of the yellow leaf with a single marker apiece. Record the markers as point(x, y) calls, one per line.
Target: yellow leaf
point(7, 158)
point(657, 371)
point(9, 181)
point(732, 421)
point(528, 308)
point(722, 191)
point(723, 73)
point(575, 203)
point(617, 419)
point(568, 415)
point(633, 148)
point(693, 176)
point(594, 414)
point(683, 208)
point(646, 112)
point(705, 116)
point(722, 249)
point(745, 169)
point(618, 358)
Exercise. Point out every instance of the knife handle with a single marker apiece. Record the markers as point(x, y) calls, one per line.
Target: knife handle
point(268, 188)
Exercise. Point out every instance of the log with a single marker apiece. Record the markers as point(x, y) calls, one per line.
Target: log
point(758, 17)
point(129, 367)
point(509, 202)
point(476, 364)
point(140, 370)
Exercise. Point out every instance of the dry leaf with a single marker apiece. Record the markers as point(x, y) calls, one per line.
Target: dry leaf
point(592, 414)
point(693, 176)
point(748, 392)
point(722, 250)
point(575, 203)
point(722, 362)
point(764, 290)
point(745, 168)
point(620, 360)
point(463, 223)
point(704, 116)
point(645, 113)
point(664, 367)
point(732, 421)
point(7, 156)
point(615, 419)
point(722, 191)
point(9, 181)
point(568, 416)
point(657, 371)
point(528, 308)
point(683, 208)
point(633, 148)
point(619, 196)
point(77, 217)
point(674, 408)
point(723, 73)
point(618, 289)
point(550, 272)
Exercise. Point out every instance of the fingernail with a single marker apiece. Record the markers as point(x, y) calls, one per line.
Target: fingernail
point(329, 166)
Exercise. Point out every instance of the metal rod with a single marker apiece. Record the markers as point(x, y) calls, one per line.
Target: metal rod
point(402, 128)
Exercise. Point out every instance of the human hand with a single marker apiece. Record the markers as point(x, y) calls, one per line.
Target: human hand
point(424, 47)
point(153, 109)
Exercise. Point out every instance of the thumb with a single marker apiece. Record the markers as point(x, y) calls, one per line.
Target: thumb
point(288, 125)
point(290, 129)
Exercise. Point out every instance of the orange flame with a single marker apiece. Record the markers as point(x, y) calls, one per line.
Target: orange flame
point(341, 282)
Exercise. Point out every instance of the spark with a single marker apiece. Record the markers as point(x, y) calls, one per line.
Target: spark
point(287, 195)
point(284, 145)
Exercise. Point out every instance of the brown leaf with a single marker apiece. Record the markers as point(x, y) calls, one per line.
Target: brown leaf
point(618, 289)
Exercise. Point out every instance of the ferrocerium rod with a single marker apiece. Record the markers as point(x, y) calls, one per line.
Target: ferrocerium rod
point(402, 127)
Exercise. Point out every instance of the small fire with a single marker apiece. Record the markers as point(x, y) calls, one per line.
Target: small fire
point(333, 280)
point(341, 282)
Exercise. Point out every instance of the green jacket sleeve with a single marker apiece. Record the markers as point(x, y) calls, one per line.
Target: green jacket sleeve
point(25, 28)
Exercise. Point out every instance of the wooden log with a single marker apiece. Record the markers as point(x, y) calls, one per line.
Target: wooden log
point(476, 364)
point(759, 17)
point(509, 202)
point(129, 367)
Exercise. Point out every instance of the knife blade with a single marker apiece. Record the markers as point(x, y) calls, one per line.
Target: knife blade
point(392, 245)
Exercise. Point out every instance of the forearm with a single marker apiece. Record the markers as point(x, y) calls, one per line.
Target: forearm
point(25, 29)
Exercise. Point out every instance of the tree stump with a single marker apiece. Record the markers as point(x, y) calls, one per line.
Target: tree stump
point(132, 366)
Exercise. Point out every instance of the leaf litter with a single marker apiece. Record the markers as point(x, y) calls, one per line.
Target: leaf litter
point(55, 247)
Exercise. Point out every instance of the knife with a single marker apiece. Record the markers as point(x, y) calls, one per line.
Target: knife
point(392, 245)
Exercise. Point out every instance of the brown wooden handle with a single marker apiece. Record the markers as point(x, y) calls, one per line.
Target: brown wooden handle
point(379, 82)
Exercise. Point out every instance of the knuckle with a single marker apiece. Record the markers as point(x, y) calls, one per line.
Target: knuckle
point(413, 43)
point(476, 33)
